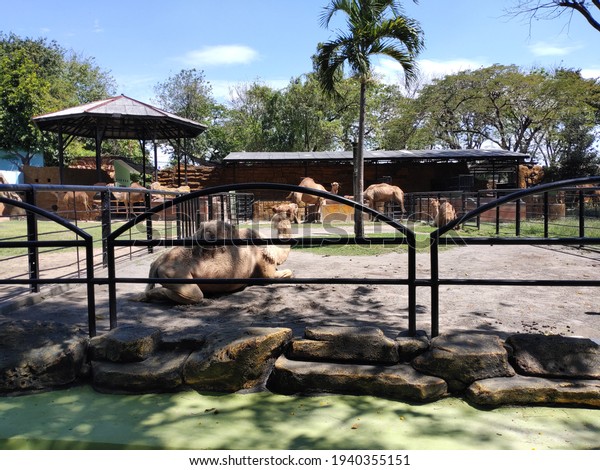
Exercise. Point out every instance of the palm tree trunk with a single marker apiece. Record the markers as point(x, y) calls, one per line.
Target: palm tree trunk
point(359, 167)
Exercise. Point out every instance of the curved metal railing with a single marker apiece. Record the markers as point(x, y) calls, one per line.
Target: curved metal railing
point(407, 237)
point(440, 235)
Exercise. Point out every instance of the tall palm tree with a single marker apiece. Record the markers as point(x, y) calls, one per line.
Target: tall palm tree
point(375, 27)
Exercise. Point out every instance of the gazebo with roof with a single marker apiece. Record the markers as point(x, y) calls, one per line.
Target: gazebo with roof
point(119, 117)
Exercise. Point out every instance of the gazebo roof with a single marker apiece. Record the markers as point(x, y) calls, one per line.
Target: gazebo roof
point(119, 117)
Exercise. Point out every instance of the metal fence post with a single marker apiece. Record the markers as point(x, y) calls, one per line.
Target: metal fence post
point(106, 223)
point(581, 214)
point(32, 236)
point(148, 205)
point(518, 218)
point(435, 284)
point(546, 214)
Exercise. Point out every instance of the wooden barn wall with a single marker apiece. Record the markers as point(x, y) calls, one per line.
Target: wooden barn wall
point(411, 177)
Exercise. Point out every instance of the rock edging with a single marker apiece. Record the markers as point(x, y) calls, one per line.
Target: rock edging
point(526, 369)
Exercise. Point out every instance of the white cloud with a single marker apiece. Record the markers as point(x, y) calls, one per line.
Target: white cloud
point(590, 73)
point(390, 71)
point(97, 28)
point(440, 68)
point(546, 49)
point(226, 90)
point(220, 55)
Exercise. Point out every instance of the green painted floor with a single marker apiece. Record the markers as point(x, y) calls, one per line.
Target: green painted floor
point(80, 418)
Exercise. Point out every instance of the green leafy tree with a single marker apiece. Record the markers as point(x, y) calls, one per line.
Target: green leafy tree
point(253, 119)
point(189, 95)
point(515, 110)
point(375, 27)
point(576, 155)
point(37, 77)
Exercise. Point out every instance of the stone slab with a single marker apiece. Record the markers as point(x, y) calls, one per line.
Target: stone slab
point(399, 381)
point(130, 343)
point(463, 358)
point(555, 356)
point(37, 355)
point(344, 344)
point(160, 372)
point(235, 360)
point(519, 390)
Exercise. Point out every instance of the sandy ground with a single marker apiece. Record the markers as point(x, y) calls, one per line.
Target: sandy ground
point(573, 311)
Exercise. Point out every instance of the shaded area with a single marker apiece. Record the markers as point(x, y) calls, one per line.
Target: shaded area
point(80, 418)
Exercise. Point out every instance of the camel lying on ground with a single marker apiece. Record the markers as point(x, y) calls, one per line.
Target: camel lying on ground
point(214, 262)
point(376, 195)
point(443, 213)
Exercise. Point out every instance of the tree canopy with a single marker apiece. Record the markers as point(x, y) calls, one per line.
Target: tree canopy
point(36, 77)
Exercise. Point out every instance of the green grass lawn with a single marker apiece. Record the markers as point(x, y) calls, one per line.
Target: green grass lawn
point(16, 230)
point(567, 227)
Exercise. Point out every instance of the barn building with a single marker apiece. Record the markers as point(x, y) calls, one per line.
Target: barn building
point(412, 170)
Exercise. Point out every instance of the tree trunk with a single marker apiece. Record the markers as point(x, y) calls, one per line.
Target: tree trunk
point(359, 175)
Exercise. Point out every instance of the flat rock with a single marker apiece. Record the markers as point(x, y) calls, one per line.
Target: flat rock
point(130, 343)
point(399, 381)
point(520, 390)
point(362, 345)
point(37, 355)
point(237, 360)
point(160, 372)
point(410, 347)
point(555, 356)
point(463, 358)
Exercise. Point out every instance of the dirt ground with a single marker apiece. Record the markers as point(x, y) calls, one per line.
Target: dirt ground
point(572, 311)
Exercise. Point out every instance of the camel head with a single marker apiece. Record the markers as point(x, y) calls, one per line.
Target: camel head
point(211, 231)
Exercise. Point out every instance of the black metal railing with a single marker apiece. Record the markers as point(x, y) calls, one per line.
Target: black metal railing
point(403, 235)
point(186, 211)
point(441, 237)
point(32, 244)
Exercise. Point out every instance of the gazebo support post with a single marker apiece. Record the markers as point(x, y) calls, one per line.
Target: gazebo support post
point(99, 137)
point(61, 159)
point(155, 160)
point(143, 148)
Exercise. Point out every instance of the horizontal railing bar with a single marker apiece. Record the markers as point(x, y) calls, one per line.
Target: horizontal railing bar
point(264, 241)
point(520, 282)
point(261, 281)
point(518, 241)
point(44, 244)
point(247, 281)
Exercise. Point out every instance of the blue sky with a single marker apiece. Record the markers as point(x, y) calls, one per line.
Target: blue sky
point(143, 43)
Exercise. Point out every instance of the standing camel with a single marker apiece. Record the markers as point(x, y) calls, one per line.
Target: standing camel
point(129, 198)
point(380, 193)
point(298, 197)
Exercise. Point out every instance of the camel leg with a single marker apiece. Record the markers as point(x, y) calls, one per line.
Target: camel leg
point(284, 273)
point(180, 293)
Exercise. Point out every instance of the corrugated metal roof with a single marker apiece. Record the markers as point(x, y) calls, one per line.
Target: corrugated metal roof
point(471, 154)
